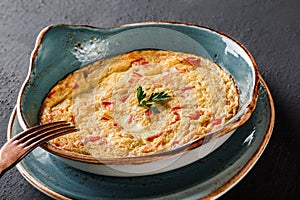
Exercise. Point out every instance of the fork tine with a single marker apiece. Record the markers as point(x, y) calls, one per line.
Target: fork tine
point(20, 145)
point(36, 128)
point(35, 131)
point(43, 136)
point(30, 145)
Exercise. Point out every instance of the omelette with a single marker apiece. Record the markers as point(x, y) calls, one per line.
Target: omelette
point(140, 103)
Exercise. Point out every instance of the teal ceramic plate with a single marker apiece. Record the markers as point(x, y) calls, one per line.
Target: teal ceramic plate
point(209, 177)
point(61, 49)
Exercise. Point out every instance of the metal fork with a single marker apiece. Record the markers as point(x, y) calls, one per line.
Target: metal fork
point(15, 149)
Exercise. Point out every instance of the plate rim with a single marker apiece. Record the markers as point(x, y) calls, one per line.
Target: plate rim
point(250, 164)
point(213, 195)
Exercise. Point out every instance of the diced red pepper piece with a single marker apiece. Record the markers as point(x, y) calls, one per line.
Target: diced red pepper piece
point(196, 115)
point(72, 119)
point(51, 94)
point(177, 117)
point(57, 144)
point(107, 104)
point(175, 113)
point(182, 70)
point(152, 137)
point(141, 61)
point(158, 144)
point(176, 108)
point(117, 125)
point(147, 149)
point(148, 112)
point(104, 118)
point(217, 121)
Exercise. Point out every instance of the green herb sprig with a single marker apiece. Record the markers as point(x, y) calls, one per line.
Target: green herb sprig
point(154, 97)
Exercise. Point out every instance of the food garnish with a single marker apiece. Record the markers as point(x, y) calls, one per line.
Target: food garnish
point(154, 97)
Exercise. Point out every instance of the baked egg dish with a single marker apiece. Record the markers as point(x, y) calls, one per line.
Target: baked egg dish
point(140, 103)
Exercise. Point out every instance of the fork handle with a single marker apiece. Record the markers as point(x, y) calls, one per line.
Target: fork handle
point(4, 166)
point(1, 173)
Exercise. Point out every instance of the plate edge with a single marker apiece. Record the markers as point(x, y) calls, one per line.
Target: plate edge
point(250, 164)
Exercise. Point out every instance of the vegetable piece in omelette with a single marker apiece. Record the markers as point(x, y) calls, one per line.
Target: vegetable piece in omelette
point(140, 103)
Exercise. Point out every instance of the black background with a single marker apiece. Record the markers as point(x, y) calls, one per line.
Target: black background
point(270, 29)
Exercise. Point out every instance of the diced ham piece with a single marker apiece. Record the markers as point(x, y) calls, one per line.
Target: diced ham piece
point(130, 119)
point(217, 122)
point(137, 74)
point(75, 86)
point(95, 138)
point(123, 99)
point(193, 61)
point(85, 74)
point(188, 88)
point(196, 115)
point(175, 143)
point(131, 80)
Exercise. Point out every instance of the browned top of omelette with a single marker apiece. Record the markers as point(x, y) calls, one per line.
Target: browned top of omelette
point(102, 100)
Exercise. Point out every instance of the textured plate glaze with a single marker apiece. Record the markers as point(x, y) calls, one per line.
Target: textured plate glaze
point(209, 177)
point(61, 49)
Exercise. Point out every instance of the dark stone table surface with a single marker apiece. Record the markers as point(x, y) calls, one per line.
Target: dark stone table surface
point(270, 29)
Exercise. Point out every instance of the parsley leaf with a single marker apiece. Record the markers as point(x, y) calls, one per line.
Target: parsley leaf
point(140, 94)
point(154, 97)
